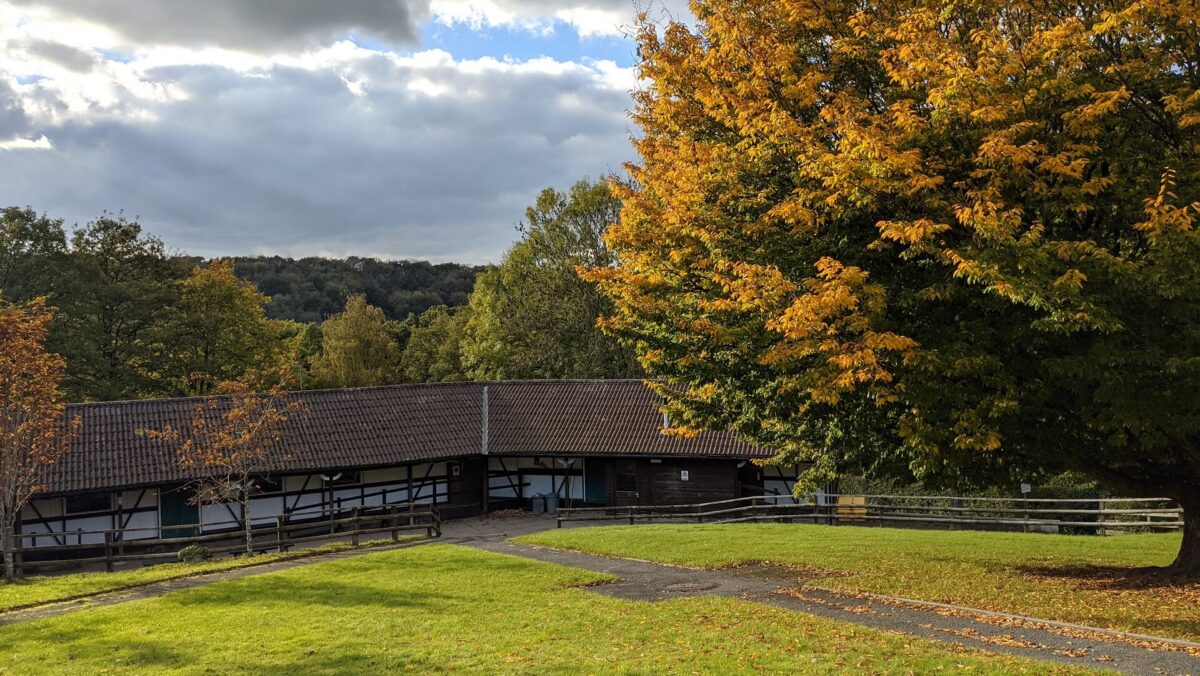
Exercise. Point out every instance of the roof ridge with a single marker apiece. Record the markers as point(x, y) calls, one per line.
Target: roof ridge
point(393, 386)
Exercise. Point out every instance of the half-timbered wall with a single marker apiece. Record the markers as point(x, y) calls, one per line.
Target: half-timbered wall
point(81, 519)
point(516, 480)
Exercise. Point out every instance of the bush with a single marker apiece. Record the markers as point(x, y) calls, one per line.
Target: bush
point(194, 554)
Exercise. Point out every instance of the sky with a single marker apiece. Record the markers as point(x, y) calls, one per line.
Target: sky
point(399, 129)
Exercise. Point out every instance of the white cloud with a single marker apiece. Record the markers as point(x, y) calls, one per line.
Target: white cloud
point(593, 18)
point(18, 143)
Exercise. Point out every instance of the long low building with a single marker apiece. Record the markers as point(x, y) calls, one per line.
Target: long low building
point(467, 448)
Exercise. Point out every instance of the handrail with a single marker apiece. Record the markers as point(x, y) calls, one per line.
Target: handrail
point(867, 508)
point(428, 519)
point(232, 524)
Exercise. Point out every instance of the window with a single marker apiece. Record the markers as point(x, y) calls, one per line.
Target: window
point(627, 483)
point(345, 478)
point(90, 502)
point(265, 484)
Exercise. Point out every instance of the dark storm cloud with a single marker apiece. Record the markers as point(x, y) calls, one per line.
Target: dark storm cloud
point(13, 120)
point(252, 25)
point(431, 159)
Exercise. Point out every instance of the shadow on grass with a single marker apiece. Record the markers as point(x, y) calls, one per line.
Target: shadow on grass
point(320, 593)
point(1117, 578)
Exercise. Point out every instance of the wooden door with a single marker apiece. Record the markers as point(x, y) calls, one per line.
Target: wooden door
point(175, 508)
point(625, 483)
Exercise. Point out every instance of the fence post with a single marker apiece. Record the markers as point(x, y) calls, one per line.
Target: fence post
point(354, 535)
point(631, 516)
point(279, 533)
point(395, 524)
point(108, 562)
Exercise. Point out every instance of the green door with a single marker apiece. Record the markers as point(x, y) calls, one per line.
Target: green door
point(595, 489)
point(175, 508)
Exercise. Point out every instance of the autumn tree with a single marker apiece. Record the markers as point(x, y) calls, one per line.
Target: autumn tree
point(232, 437)
point(216, 331)
point(532, 316)
point(961, 236)
point(34, 433)
point(357, 349)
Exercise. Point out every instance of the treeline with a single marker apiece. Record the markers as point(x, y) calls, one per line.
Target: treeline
point(133, 321)
point(313, 289)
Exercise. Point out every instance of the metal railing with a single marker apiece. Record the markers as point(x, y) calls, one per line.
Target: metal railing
point(286, 531)
point(1028, 513)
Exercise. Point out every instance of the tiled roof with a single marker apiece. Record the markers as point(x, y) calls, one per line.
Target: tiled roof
point(380, 426)
point(592, 417)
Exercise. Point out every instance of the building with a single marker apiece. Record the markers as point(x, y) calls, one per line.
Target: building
point(466, 447)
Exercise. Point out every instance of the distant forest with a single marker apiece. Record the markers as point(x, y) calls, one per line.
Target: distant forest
point(313, 289)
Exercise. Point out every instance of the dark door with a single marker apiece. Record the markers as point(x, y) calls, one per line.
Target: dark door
point(175, 508)
point(625, 483)
point(595, 488)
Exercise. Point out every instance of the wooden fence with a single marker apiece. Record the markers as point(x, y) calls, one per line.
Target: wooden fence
point(298, 527)
point(1096, 515)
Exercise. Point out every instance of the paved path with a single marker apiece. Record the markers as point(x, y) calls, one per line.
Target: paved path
point(646, 581)
point(1079, 646)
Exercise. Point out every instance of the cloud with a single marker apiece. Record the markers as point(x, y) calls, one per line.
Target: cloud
point(590, 18)
point(62, 55)
point(13, 120)
point(247, 25)
point(341, 150)
point(18, 143)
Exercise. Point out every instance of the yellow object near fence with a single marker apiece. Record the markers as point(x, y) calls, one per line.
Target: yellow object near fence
point(852, 507)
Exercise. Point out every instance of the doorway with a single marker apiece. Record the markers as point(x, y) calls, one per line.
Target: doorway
point(175, 508)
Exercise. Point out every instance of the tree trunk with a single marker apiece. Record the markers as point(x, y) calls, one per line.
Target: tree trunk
point(1188, 561)
point(246, 521)
point(10, 571)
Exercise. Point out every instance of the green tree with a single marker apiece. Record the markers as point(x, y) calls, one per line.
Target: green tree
point(357, 349)
point(216, 332)
point(434, 350)
point(962, 235)
point(32, 254)
point(532, 316)
point(119, 281)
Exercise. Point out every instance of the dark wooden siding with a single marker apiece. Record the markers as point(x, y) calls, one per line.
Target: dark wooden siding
point(706, 480)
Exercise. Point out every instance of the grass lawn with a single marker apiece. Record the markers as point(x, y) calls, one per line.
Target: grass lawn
point(451, 608)
point(41, 589)
point(1084, 579)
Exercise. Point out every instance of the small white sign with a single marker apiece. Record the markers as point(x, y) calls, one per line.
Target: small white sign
point(1026, 489)
point(683, 475)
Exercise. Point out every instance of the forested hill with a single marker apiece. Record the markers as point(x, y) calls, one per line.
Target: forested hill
point(311, 289)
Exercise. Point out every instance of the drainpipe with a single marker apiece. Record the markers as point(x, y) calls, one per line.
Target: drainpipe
point(484, 449)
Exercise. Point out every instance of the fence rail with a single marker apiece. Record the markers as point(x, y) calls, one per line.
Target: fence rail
point(1074, 514)
point(278, 534)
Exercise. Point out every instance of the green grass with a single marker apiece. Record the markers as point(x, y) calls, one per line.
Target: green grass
point(1084, 579)
point(41, 589)
point(451, 608)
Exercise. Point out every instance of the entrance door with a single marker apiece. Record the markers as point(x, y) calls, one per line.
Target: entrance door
point(175, 508)
point(625, 483)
